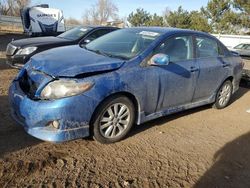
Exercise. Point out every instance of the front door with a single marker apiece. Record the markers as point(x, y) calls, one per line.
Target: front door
point(172, 85)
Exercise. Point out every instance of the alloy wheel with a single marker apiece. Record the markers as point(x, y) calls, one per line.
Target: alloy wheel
point(114, 120)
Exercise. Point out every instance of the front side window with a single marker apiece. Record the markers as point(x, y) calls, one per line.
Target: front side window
point(177, 48)
point(206, 47)
point(124, 43)
point(239, 46)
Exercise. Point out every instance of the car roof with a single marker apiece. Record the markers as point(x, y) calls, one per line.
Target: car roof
point(98, 27)
point(244, 43)
point(170, 30)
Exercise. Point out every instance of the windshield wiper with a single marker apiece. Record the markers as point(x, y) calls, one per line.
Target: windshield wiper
point(106, 54)
point(117, 56)
point(96, 51)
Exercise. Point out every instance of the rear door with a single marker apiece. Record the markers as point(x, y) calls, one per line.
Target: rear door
point(246, 50)
point(213, 67)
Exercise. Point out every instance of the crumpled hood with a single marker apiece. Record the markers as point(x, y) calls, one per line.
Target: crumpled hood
point(70, 61)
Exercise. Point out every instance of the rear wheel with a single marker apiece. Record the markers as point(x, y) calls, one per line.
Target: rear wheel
point(113, 120)
point(224, 95)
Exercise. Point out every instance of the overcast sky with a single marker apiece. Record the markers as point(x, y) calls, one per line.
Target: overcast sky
point(76, 8)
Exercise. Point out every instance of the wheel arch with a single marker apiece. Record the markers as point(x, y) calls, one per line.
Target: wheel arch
point(129, 95)
point(215, 104)
point(231, 78)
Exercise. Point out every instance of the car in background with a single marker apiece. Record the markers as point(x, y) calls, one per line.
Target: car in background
point(127, 77)
point(18, 52)
point(243, 49)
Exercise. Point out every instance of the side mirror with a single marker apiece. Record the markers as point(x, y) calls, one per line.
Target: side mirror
point(159, 60)
point(86, 41)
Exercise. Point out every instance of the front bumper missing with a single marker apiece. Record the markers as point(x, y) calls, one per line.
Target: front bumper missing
point(35, 116)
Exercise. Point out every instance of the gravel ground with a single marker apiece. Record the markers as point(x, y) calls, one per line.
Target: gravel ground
point(202, 147)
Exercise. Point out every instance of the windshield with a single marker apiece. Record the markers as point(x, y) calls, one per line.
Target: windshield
point(124, 43)
point(240, 46)
point(75, 33)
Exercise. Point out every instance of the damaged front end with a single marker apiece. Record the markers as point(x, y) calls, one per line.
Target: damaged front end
point(54, 117)
point(54, 97)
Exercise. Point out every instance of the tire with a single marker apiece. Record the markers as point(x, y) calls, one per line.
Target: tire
point(113, 119)
point(224, 95)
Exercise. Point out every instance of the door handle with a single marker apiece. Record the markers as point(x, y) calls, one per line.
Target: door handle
point(193, 69)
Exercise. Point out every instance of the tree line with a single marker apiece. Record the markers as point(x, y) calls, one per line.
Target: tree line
point(218, 16)
point(12, 7)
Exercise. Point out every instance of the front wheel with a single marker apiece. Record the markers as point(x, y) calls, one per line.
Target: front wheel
point(224, 95)
point(113, 120)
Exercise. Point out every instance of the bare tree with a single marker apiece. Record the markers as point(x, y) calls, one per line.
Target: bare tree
point(12, 7)
point(166, 13)
point(72, 21)
point(86, 19)
point(4, 8)
point(22, 3)
point(100, 13)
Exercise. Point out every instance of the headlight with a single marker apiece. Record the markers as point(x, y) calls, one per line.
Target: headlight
point(26, 51)
point(64, 88)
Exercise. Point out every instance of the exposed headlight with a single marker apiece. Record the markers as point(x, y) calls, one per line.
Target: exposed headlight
point(64, 88)
point(26, 51)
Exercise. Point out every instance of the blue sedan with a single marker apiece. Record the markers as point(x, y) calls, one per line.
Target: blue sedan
point(127, 77)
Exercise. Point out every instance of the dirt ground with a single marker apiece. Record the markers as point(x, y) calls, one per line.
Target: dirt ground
point(202, 147)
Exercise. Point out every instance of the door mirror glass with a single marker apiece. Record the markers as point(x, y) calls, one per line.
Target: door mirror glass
point(86, 41)
point(159, 59)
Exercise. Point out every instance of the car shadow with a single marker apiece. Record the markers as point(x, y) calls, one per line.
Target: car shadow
point(165, 119)
point(12, 136)
point(231, 166)
point(244, 88)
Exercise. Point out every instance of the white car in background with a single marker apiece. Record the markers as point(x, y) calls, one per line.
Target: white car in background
point(243, 49)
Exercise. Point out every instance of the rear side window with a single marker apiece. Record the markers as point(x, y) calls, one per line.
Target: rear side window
point(221, 50)
point(248, 47)
point(206, 47)
point(177, 48)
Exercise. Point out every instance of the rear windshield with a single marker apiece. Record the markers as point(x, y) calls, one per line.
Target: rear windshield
point(75, 33)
